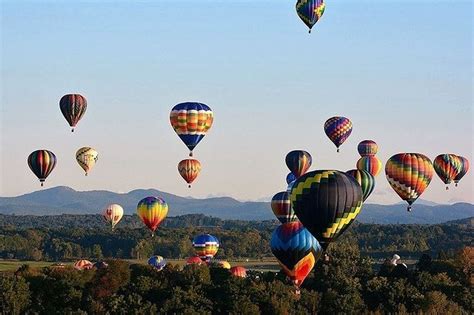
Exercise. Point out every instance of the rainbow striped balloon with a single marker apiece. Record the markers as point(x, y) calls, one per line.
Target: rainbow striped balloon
point(189, 170)
point(296, 250)
point(367, 147)
point(191, 121)
point(365, 180)
point(464, 169)
point(409, 174)
point(152, 211)
point(338, 129)
point(206, 246)
point(447, 166)
point(281, 207)
point(370, 164)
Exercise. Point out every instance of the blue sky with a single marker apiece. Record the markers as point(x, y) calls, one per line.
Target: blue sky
point(400, 70)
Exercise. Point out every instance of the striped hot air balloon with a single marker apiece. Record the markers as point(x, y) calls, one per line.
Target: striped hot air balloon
point(464, 169)
point(83, 264)
point(367, 148)
point(194, 260)
point(326, 202)
point(290, 178)
point(206, 246)
point(73, 107)
point(86, 157)
point(42, 163)
point(310, 11)
point(191, 121)
point(447, 166)
point(189, 170)
point(298, 162)
point(409, 174)
point(238, 271)
point(296, 250)
point(152, 211)
point(220, 264)
point(370, 164)
point(281, 207)
point(113, 214)
point(365, 180)
point(338, 129)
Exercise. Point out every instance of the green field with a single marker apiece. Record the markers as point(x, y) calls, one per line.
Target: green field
point(266, 265)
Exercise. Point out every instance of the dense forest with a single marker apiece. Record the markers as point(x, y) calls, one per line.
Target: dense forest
point(68, 237)
point(347, 284)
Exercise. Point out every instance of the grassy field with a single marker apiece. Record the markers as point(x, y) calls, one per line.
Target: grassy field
point(265, 265)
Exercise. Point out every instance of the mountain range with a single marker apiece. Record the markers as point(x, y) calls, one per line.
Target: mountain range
point(65, 200)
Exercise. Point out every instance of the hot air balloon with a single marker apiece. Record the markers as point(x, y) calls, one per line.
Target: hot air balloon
point(238, 271)
point(206, 246)
point(464, 169)
point(220, 264)
point(326, 202)
point(365, 180)
point(113, 214)
point(157, 262)
point(73, 107)
point(83, 264)
point(367, 148)
point(86, 158)
point(191, 121)
point(152, 211)
point(290, 178)
point(194, 260)
point(338, 129)
point(281, 206)
point(189, 169)
point(447, 166)
point(310, 11)
point(298, 161)
point(42, 163)
point(370, 164)
point(296, 250)
point(409, 174)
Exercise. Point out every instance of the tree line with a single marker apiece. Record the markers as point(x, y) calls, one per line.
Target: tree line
point(69, 237)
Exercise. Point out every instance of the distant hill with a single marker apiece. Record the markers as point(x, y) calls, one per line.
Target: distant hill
point(65, 200)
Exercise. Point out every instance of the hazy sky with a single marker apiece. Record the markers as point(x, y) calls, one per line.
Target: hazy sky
point(400, 70)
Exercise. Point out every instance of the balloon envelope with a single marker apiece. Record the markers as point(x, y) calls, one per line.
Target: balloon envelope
point(152, 211)
point(370, 164)
point(238, 271)
point(191, 121)
point(113, 214)
point(73, 107)
point(447, 166)
point(326, 202)
point(86, 157)
point(409, 174)
point(310, 11)
point(281, 207)
point(157, 262)
point(206, 246)
point(42, 163)
point(83, 264)
point(338, 129)
point(367, 148)
point(189, 170)
point(365, 180)
point(298, 162)
point(464, 169)
point(290, 178)
point(194, 260)
point(296, 250)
